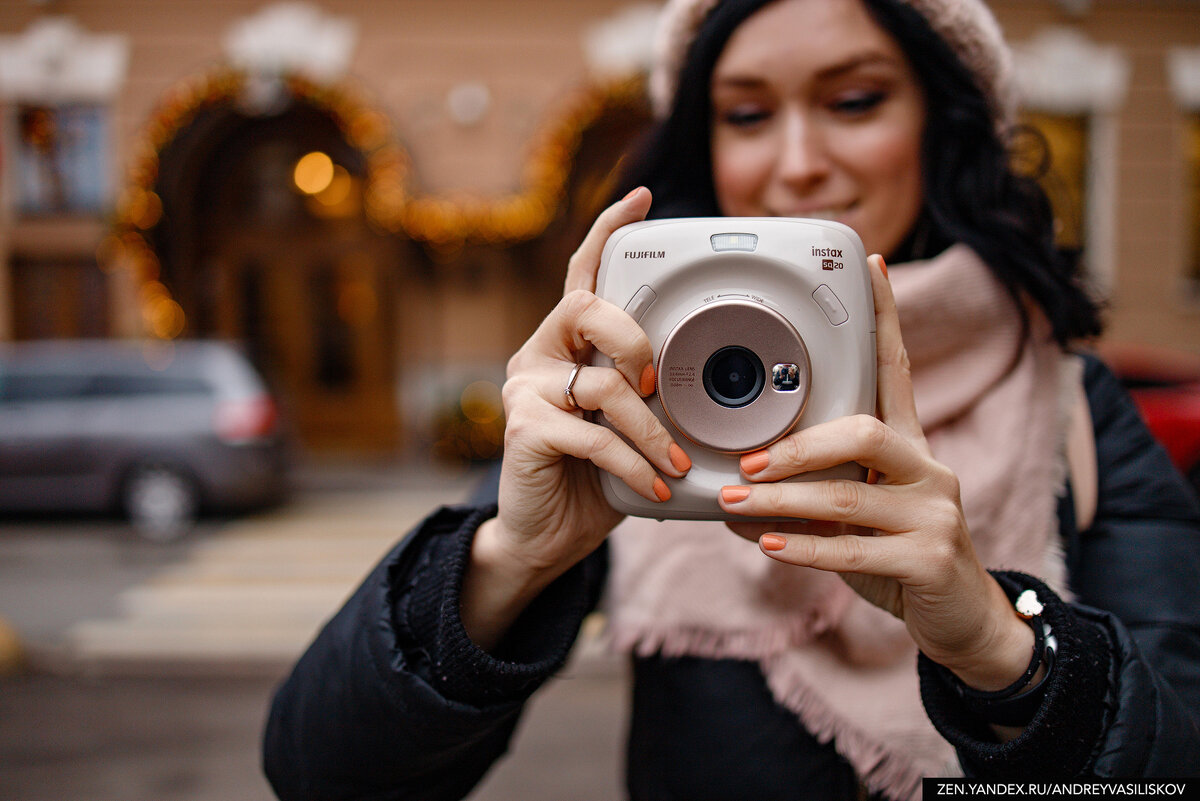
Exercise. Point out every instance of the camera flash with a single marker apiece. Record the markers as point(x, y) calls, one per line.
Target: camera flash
point(743, 242)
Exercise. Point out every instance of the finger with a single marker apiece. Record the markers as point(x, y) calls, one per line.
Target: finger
point(836, 501)
point(582, 321)
point(752, 530)
point(896, 405)
point(844, 553)
point(606, 390)
point(860, 438)
point(557, 434)
point(582, 268)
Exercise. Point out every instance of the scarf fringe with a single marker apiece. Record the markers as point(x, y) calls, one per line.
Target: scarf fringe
point(883, 771)
point(756, 644)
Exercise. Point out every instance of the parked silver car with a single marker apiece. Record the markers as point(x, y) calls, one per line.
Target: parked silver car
point(160, 431)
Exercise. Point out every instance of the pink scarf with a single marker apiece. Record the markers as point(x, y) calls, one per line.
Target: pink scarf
point(994, 407)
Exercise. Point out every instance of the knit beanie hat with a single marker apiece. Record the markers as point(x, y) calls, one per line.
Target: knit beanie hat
point(967, 26)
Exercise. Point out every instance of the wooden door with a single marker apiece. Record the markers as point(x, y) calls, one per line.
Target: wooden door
point(317, 319)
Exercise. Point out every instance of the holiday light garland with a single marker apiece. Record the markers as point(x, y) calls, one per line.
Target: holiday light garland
point(444, 223)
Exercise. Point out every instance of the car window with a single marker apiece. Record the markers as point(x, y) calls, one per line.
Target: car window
point(44, 387)
point(114, 385)
point(32, 387)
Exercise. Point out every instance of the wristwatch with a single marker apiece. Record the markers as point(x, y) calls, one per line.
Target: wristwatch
point(1016, 704)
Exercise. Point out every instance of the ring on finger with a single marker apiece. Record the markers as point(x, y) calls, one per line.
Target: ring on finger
point(569, 390)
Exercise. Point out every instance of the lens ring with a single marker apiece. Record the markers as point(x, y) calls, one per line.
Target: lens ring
point(680, 368)
point(734, 376)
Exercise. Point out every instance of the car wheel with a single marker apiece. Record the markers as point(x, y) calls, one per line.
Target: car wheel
point(161, 502)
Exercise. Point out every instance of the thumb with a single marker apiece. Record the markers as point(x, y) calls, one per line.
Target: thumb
point(585, 263)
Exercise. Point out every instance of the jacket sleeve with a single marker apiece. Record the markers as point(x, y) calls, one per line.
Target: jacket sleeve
point(1123, 699)
point(392, 699)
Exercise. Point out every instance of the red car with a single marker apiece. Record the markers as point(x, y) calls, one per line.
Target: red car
point(1165, 384)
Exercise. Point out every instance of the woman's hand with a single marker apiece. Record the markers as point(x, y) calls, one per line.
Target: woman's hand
point(901, 543)
point(552, 512)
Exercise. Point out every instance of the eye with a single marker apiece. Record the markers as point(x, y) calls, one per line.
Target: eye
point(743, 116)
point(857, 103)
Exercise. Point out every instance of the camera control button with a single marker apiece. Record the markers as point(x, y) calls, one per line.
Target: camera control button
point(830, 304)
point(641, 300)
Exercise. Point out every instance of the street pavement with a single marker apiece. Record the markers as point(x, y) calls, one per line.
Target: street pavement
point(150, 667)
point(252, 596)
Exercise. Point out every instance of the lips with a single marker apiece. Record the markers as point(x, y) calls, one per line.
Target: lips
point(821, 214)
point(833, 213)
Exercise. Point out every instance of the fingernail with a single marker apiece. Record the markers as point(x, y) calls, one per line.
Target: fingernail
point(631, 194)
point(661, 491)
point(646, 383)
point(872, 476)
point(680, 459)
point(734, 494)
point(883, 266)
point(772, 542)
point(752, 463)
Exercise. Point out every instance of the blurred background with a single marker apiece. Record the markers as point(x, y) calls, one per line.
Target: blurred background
point(262, 264)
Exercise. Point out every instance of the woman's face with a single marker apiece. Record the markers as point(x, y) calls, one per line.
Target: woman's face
point(817, 113)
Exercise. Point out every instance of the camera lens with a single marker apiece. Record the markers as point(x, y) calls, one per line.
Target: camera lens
point(734, 376)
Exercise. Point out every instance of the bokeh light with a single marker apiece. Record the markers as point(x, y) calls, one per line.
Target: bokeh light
point(338, 188)
point(481, 402)
point(313, 173)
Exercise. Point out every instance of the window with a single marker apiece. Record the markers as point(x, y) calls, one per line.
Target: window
point(62, 159)
point(59, 298)
point(1065, 180)
point(1073, 88)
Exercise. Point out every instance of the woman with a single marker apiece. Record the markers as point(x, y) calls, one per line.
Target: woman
point(761, 670)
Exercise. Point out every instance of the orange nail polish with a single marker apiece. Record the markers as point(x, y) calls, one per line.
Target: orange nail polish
point(752, 463)
point(772, 542)
point(646, 383)
point(661, 491)
point(680, 459)
point(883, 266)
point(872, 476)
point(734, 494)
point(631, 194)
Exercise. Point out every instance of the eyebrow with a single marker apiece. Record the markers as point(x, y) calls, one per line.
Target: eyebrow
point(851, 64)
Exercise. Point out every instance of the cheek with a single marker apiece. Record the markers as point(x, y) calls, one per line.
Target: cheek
point(891, 164)
point(890, 175)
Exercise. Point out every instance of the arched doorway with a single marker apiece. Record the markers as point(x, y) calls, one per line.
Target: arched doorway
point(264, 239)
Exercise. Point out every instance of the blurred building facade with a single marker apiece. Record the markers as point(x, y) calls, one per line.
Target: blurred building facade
point(378, 198)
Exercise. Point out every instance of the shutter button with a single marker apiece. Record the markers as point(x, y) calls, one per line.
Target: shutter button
point(641, 300)
point(830, 304)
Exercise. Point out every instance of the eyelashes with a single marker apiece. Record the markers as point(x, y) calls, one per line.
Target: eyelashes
point(847, 105)
point(744, 118)
point(857, 102)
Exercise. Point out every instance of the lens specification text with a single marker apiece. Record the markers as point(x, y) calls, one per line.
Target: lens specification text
point(681, 376)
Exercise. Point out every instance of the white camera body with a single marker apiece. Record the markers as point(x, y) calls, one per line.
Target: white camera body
point(759, 326)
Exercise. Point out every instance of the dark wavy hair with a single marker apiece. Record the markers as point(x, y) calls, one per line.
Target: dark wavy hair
point(972, 194)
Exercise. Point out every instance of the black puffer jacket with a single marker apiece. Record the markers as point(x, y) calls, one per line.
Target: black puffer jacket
point(393, 700)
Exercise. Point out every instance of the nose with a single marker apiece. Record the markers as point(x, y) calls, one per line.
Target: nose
point(803, 158)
